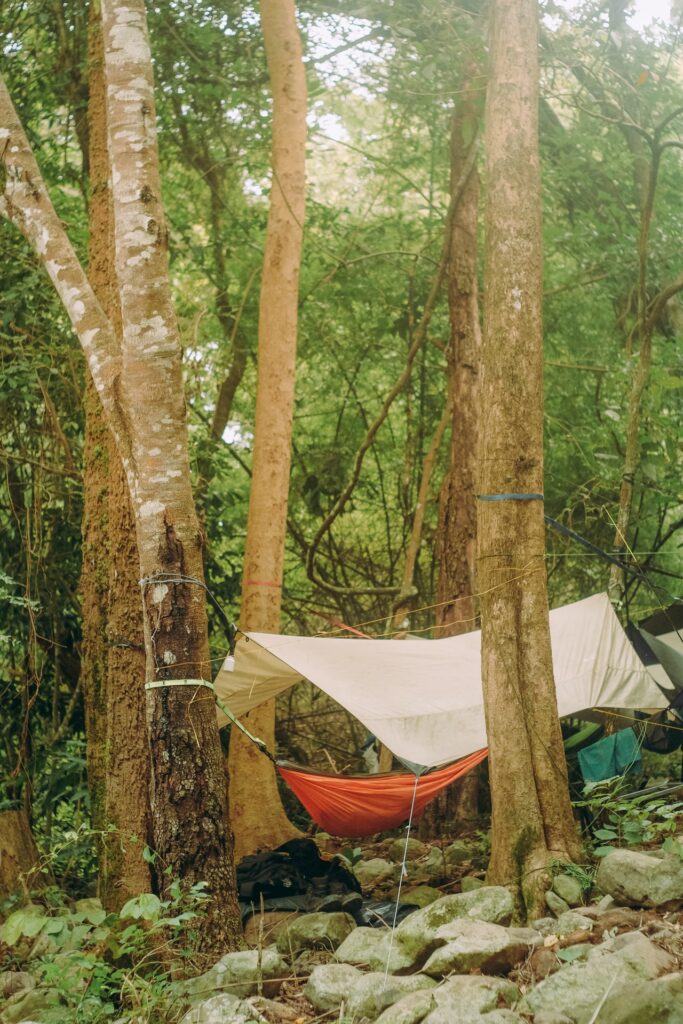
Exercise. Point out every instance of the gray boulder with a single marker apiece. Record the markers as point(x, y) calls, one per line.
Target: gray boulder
point(475, 945)
point(470, 882)
point(420, 895)
point(639, 951)
point(657, 1002)
point(458, 852)
point(375, 992)
point(220, 1009)
point(330, 984)
point(239, 974)
point(375, 871)
point(572, 921)
point(639, 879)
point(416, 935)
point(462, 998)
point(27, 1003)
point(415, 849)
point(370, 947)
point(12, 982)
point(578, 989)
point(555, 903)
point(569, 889)
point(314, 931)
point(410, 1009)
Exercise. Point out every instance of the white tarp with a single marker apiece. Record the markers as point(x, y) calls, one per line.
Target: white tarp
point(423, 699)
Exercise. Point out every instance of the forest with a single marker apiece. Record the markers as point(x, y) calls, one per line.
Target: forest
point(320, 323)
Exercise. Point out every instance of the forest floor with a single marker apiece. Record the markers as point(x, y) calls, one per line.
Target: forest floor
point(608, 951)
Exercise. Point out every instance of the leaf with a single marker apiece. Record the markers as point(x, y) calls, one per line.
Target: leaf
point(147, 905)
point(16, 924)
point(602, 851)
point(605, 833)
point(570, 953)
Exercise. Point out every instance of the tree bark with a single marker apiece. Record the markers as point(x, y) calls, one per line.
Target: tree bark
point(531, 812)
point(258, 816)
point(456, 538)
point(141, 388)
point(19, 860)
point(113, 641)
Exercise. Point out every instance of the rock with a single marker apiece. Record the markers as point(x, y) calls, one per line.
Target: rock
point(639, 879)
point(267, 1010)
point(568, 888)
point(220, 1009)
point(529, 936)
point(636, 949)
point(330, 984)
point(239, 974)
point(27, 1003)
point(410, 1009)
point(15, 981)
point(475, 945)
point(263, 929)
point(420, 895)
point(656, 1002)
point(458, 852)
point(470, 882)
point(375, 871)
point(571, 921)
point(578, 989)
point(545, 925)
point(555, 903)
point(314, 931)
point(434, 865)
point(375, 992)
point(370, 947)
point(550, 1017)
point(543, 961)
point(605, 904)
point(416, 935)
point(415, 849)
point(463, 997)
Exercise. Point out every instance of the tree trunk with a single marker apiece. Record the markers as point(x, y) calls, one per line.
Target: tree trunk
point(140, 384)
point(456, 544)
point(531, 812)
point(188, 785)
point(258, 816)
point(113, 642)
point(19, 859)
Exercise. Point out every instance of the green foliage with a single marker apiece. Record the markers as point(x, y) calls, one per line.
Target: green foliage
point(634, 822)
point(101, 964)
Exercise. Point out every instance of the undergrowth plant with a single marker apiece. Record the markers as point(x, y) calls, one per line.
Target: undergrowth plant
point(637, 821)
point(95, 965)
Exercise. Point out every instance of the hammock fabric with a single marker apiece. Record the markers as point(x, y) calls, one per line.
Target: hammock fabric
point(362, 804)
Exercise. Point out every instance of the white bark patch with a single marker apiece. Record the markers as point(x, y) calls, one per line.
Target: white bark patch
point(517, 299)
point(159, 592)
point(151, 508)
point(154, 452)
point(169, 658)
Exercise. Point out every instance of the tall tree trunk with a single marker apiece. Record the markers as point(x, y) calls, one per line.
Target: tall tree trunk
point(258, 816)
point(113, 642)
point(188, 786)
point(531, 812)
point(456, 543)
point(140, 383)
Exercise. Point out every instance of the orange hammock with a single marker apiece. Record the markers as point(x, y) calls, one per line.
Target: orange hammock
point(359, 805)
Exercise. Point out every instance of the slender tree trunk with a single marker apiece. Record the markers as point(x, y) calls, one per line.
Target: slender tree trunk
point(456, 543)
point(19, 860)
point(531, 812)
point(258, 816)
point(113, 642)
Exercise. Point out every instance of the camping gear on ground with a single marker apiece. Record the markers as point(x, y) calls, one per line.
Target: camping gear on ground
point(616, 754)
point(358, 805)
point(296, 877)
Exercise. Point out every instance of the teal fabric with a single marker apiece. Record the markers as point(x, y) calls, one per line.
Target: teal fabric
point(617, 754)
